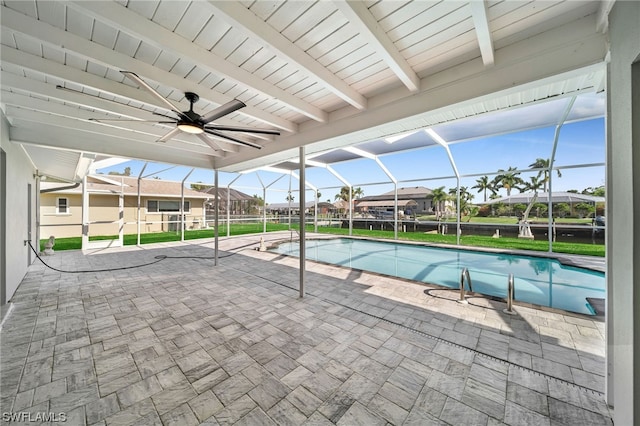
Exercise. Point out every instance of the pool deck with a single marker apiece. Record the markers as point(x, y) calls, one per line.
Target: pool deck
point(184, 342)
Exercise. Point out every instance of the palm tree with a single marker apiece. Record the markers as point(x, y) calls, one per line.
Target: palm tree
point(507, 179)
point(438, 197)
point(542, 163)
point(344, 193)
point(534, 185)
point(483, 184)
point(357, 193)
point(465, 198)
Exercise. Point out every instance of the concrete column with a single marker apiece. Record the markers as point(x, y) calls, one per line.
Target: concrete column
point(623, 211)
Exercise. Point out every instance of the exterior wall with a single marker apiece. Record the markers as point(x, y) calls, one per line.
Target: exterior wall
point(151, 221)
point(104, 208)
point(19, 173)
point(60, 225)
point(623, 235)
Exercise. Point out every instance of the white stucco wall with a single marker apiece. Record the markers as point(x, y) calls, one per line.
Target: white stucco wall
point(623, 212)
point(19, 174)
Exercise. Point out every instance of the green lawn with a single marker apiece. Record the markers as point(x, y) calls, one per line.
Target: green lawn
point(510, 220)
point(75, 243)
point(479, 241)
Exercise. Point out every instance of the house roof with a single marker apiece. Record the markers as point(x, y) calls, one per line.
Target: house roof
point(234, 194)
point(408, 193)
point(295, 206)
point(388, 203)
point(127, 185)
point(543, 197)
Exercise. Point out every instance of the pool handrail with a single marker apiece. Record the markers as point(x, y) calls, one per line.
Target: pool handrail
point(463, 274)
point(511, 295)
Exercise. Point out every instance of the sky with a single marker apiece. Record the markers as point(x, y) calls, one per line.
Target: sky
point(581, 142)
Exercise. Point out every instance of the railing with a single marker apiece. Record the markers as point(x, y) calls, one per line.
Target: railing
point(511, 291)
point(511, 295)
point(463, 274)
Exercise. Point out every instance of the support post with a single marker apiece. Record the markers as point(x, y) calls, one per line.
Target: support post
point(85, 214)
point(395, 210)
point(121, 214)
point(182, 205)
point(138, 213)
point(216, 205)
point(303, 253)
point(350, 210)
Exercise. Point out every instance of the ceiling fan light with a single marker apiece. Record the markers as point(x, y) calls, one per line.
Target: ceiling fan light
point(192, 128)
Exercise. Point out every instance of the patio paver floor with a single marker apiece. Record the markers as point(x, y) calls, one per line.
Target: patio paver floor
point(184, 342)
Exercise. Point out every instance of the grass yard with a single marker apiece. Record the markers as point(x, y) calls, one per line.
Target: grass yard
point(509, 220)
point(75, 243)
point(479, 241)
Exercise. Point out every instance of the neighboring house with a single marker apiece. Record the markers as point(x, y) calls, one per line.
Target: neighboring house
point(283, 208)
point(61, 209)
point(239, 202)
point(570, 198)
point(416, 199)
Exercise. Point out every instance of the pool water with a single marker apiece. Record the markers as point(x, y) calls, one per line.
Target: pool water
point(537, 280)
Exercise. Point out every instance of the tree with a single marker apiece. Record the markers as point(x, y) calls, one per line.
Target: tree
point(596, 192)
point(507, 179)
point(561, 209)
point(545, 164)
point(473, 211)
point(585, 209)
point(344, 193)
point(438, 198)
point(541, 208)
point(126, 172)
point(255, 203)
point(483, 185)
point(533, 185)
point(200, 186)
point(465, 198)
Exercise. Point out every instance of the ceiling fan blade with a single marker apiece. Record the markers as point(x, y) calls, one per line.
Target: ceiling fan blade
point(100, 120)
point(169, 135)
point(223, 110)
point(243, 129)
point(209, 141)
point(134, 77)
point(232, 139)
point(165, 115)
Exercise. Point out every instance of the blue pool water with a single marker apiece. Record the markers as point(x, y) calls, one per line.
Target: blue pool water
point(538, 280)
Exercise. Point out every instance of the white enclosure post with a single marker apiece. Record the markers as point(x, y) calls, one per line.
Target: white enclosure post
point(121, 213)
point(303, 253)
point(85, 214)
point(138, 213)
point(216, 205)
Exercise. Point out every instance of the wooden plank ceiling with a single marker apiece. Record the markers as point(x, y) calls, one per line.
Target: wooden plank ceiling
point(325, 74)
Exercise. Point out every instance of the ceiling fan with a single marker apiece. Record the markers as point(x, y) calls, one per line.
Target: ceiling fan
point(200, 125)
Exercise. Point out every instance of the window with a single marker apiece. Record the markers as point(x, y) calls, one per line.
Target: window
point(62, 206)
point(167, 206)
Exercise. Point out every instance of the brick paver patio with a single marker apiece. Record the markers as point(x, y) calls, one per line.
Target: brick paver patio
point(182, 342)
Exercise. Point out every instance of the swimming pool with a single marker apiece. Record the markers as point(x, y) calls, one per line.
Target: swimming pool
point(538, 280)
